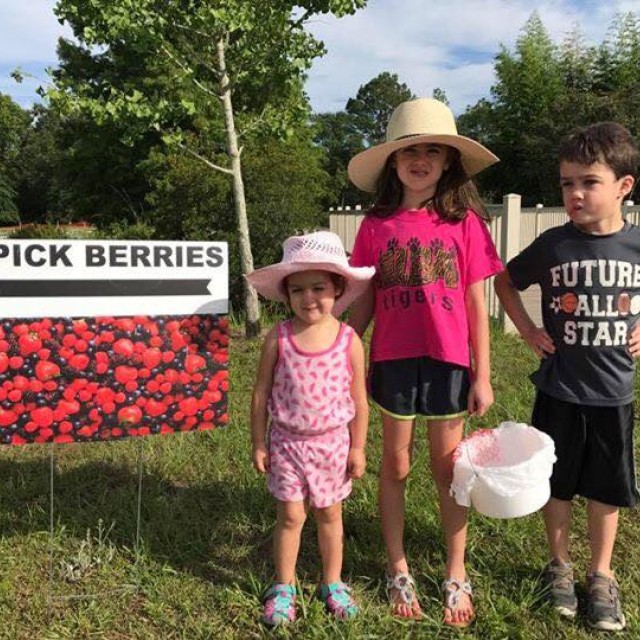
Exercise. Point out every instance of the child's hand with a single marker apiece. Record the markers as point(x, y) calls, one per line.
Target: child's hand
point(480, 398)
point(260, 457)
point(356, 463)
point(634, 341)
point(540, 342)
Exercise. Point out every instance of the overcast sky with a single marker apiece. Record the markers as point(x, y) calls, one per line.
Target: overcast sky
point(450, 44)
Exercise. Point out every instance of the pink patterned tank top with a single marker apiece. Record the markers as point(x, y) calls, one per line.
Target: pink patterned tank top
point(311, 392)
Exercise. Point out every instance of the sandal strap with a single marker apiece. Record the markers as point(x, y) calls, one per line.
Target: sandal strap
point(453, 588)
point(404, 584)
point(337, 599)
point(278, 602)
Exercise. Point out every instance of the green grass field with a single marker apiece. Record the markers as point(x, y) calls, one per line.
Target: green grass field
point(207, 519)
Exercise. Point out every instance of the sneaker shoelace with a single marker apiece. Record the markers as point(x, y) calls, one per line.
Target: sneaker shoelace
point(562, 577)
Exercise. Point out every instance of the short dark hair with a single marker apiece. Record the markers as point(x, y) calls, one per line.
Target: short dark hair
point(607, 142)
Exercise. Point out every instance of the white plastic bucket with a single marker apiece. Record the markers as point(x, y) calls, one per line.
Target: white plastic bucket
point(503, 472)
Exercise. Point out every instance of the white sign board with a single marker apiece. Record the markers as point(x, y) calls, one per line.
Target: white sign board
point(78, 278)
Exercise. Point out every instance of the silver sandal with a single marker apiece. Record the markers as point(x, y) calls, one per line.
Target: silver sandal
point(404, 586)
point(452, 589)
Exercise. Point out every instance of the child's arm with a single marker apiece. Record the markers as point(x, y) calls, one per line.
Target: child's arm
point(259, 400)
point(511, 300)
point(634, 341)
point(481, 393)
point(361, 311)
point(356, 462)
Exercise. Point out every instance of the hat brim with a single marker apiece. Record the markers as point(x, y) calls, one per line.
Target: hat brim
point(267, 281)
point(365, 168)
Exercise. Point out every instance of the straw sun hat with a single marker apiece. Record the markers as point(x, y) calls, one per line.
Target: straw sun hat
point(416, 122)
point(318, 251)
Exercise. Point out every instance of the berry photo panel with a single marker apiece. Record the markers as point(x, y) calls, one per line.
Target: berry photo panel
point(80, 377)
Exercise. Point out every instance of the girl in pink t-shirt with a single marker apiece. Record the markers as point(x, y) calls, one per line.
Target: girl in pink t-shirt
point(432, 251)
point(310, 383)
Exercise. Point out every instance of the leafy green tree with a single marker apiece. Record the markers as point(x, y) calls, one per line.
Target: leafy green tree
point(440, 94)
point(338, 137)
point(544, 91)
point(526, 102)
point(374, 103)
point(210, 72)
point(285, 189)
point(14, 124)
point(363, 122)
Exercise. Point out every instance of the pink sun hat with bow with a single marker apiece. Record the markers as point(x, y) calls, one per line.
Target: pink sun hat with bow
point(318, 251)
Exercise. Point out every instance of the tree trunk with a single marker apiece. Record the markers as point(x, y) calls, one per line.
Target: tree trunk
point(252, 306)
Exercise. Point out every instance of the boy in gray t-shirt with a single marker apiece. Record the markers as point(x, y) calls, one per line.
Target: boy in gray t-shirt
point(589, 274)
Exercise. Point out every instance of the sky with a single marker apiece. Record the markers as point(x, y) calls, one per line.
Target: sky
point(450, 45)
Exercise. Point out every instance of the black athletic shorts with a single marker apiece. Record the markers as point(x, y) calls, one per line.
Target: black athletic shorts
point(594, 450)
point(410, 386)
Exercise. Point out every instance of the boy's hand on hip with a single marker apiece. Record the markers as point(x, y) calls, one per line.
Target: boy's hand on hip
point(480, 398)
point(540, 342)
point(356, 463)
point(260, 459)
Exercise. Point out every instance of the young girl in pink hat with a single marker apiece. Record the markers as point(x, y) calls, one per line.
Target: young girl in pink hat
point(431, 249)
point(310, 391)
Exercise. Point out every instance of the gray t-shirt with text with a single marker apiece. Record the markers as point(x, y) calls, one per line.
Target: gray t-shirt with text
point(590, 300)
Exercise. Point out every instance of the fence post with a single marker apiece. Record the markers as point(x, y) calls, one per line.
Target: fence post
point(510, 242)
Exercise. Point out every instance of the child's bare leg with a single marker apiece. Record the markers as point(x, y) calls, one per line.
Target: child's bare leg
point(603, 526)
point(331, 541)
point(444, 436)
point(397, 445)
point(286, 539)
point(557, 521)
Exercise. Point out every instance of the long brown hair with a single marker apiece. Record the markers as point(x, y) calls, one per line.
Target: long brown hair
point(455, 192)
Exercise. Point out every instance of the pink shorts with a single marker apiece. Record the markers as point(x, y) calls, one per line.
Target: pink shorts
point(309, 468)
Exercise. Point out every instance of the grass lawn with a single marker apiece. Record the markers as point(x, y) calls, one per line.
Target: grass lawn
point(206, 525)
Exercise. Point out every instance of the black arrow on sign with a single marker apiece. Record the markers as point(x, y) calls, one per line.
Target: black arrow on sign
point(99, 288)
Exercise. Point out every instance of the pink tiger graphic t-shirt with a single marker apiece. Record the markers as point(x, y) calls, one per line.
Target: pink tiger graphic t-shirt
point(424, 265)
point(311, 392)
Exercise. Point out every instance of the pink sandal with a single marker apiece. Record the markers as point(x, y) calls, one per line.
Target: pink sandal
point(279, 605)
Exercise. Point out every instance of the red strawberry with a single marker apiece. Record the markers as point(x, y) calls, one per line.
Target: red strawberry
point(65, 427)
point(16, 362)
point(177, 341)
point(7, 417)
point(130, 415)
point(21, 329)
point(126, 324)
point(46, 370)
point(155, 408)
point(123, 347)
point(69, 406)
point(29, 343)
point(152, 357)
point(80, 361)
point(124, 374)
point(4, 362)
point(42, 416)
point(189, 406)
point(193, 363)
point(80, 326)
point(21, 383)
